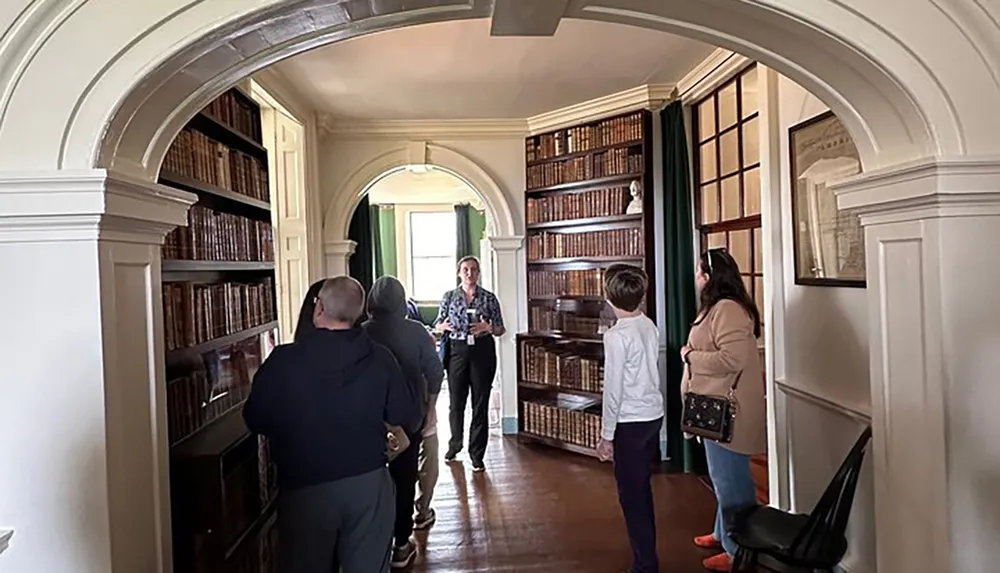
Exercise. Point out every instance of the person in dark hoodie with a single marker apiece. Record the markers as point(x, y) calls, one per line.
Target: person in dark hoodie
point(413, 347)
point(323, 402)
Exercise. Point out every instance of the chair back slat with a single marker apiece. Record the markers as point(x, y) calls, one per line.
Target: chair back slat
point(825, 530)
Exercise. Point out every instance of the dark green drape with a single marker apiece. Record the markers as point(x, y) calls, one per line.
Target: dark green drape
point(387, 239)
point(463, 243)
point(477, 230)
point(686, 455)
point(362, 263)
point(378, 259)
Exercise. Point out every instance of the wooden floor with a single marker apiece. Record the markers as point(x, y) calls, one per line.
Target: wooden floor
point(537, 509)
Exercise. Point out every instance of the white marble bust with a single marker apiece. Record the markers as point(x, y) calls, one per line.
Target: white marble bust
point(636, 205)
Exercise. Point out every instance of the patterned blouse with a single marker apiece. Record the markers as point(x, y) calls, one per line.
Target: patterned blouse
point(453, 308)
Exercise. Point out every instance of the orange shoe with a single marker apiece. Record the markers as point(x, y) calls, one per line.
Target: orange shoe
point(707, 541)
point(721, 562)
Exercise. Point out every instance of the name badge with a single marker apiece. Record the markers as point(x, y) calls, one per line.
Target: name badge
point(471, 340)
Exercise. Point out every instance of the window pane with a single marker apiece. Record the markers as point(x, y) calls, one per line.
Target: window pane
point(749, 91)
point(727, 106)
point(739, 248)
point(717, 241)
point(707, 161)
point(751, 143)
point(433, 234)
point(758, 251)
point(432, 276)
point(709, 204)
point(758, 295)
point(748, 283)
point(731, 198)
point(730, 151)
point(751, 192)
point(706, 119)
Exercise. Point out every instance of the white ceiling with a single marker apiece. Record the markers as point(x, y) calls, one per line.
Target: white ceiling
point(432, 187)
point(456, 70)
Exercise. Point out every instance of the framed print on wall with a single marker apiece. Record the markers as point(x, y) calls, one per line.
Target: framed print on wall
point(829, 243)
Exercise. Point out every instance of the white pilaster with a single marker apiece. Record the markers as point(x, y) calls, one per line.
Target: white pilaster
point(931, 230)
point(338, 256)
point(83, 431)
point(507, 256)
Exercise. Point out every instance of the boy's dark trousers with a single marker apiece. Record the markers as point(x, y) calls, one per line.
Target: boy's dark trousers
point(403, 470)
point(636, 446)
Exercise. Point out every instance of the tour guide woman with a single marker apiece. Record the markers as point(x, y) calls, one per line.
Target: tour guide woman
point(470, 315)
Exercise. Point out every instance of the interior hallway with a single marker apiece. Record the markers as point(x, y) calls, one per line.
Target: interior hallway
point(540, 509)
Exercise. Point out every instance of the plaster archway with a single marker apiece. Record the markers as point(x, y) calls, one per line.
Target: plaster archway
point(337, 215)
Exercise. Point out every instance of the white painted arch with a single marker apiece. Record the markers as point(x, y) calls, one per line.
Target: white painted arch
point(888, 69)
point(500, 218)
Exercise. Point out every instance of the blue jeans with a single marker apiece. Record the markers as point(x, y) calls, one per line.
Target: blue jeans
point(734, 488)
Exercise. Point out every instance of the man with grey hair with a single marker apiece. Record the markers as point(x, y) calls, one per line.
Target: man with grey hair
point(323, 402)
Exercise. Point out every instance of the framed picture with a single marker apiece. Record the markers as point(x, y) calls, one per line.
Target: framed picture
point(829, 243)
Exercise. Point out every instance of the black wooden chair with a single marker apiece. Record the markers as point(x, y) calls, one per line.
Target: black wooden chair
point(816, 541)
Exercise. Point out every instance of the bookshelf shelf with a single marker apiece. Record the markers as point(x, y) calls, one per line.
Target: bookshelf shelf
point(182, 355)
point(201, 188)
point(203, 266)
point(554, 443)
point(558, 389)
point(218, 280)
point(575, 230)
point(587, 221)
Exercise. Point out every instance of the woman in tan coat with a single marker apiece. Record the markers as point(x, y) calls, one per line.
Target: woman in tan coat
point(722, 354)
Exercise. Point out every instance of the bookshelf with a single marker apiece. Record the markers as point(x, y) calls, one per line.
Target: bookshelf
point(577, 193)
point(220, 322)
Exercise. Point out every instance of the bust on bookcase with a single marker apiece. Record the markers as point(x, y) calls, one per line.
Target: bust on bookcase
point(220, 323)
point(586, 210)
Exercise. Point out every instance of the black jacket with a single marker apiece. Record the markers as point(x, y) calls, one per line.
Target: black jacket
point(323, 403)
point(408, 340)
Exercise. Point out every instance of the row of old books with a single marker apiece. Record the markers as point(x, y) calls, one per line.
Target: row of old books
point(614, 131)
point(599, 203)
point(198, 312)
point(237, 114)
point(576, 426)
point(241, 496)
point(193, 154)
point(217, 236)
point(541, 319)
point(554, 366)
point(618, 161)
point(589, 282)
point(268, 472)
point(612, 243)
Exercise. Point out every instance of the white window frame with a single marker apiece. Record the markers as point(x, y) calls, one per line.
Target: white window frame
point(403, 243)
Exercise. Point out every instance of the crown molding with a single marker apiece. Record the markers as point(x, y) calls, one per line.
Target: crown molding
point(650, 96)
point(719, 67)
point(927, 188)
point(88, 205)
point(423, 129)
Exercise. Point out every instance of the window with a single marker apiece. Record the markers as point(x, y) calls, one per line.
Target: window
point(727, 176)
point(432, 241)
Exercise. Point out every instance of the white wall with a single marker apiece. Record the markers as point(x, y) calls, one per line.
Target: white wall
point(821, 366)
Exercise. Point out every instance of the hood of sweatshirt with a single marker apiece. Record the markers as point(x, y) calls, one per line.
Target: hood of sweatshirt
point(387, 299)
point(339, 355)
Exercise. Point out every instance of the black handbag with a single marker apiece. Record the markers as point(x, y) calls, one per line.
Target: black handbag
point(711, 417)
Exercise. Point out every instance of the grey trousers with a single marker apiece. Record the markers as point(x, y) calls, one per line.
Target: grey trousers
point(343, 526)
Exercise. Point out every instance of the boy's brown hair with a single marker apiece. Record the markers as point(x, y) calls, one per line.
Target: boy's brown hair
point(625, 286)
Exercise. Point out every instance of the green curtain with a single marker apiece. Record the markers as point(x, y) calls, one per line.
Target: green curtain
point(387, 232)
point(362, 263)
point(378, 259)
point(477, 230)
point(686, 455)
point(463, 239)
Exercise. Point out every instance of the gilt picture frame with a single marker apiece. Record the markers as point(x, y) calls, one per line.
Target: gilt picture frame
point(829, 243)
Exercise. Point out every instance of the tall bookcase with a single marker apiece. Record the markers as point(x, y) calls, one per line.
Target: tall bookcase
point(577, 194)
point(220, 320)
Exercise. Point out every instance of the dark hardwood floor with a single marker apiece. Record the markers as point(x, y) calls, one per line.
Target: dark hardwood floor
point(537, 509)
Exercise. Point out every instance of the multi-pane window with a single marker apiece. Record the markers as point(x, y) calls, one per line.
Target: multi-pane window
point(432, 244)
point(727, 176)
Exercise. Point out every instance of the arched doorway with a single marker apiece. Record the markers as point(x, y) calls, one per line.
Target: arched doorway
point(127, 95)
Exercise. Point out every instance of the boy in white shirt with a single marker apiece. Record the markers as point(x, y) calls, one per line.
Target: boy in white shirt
point(633, 410)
